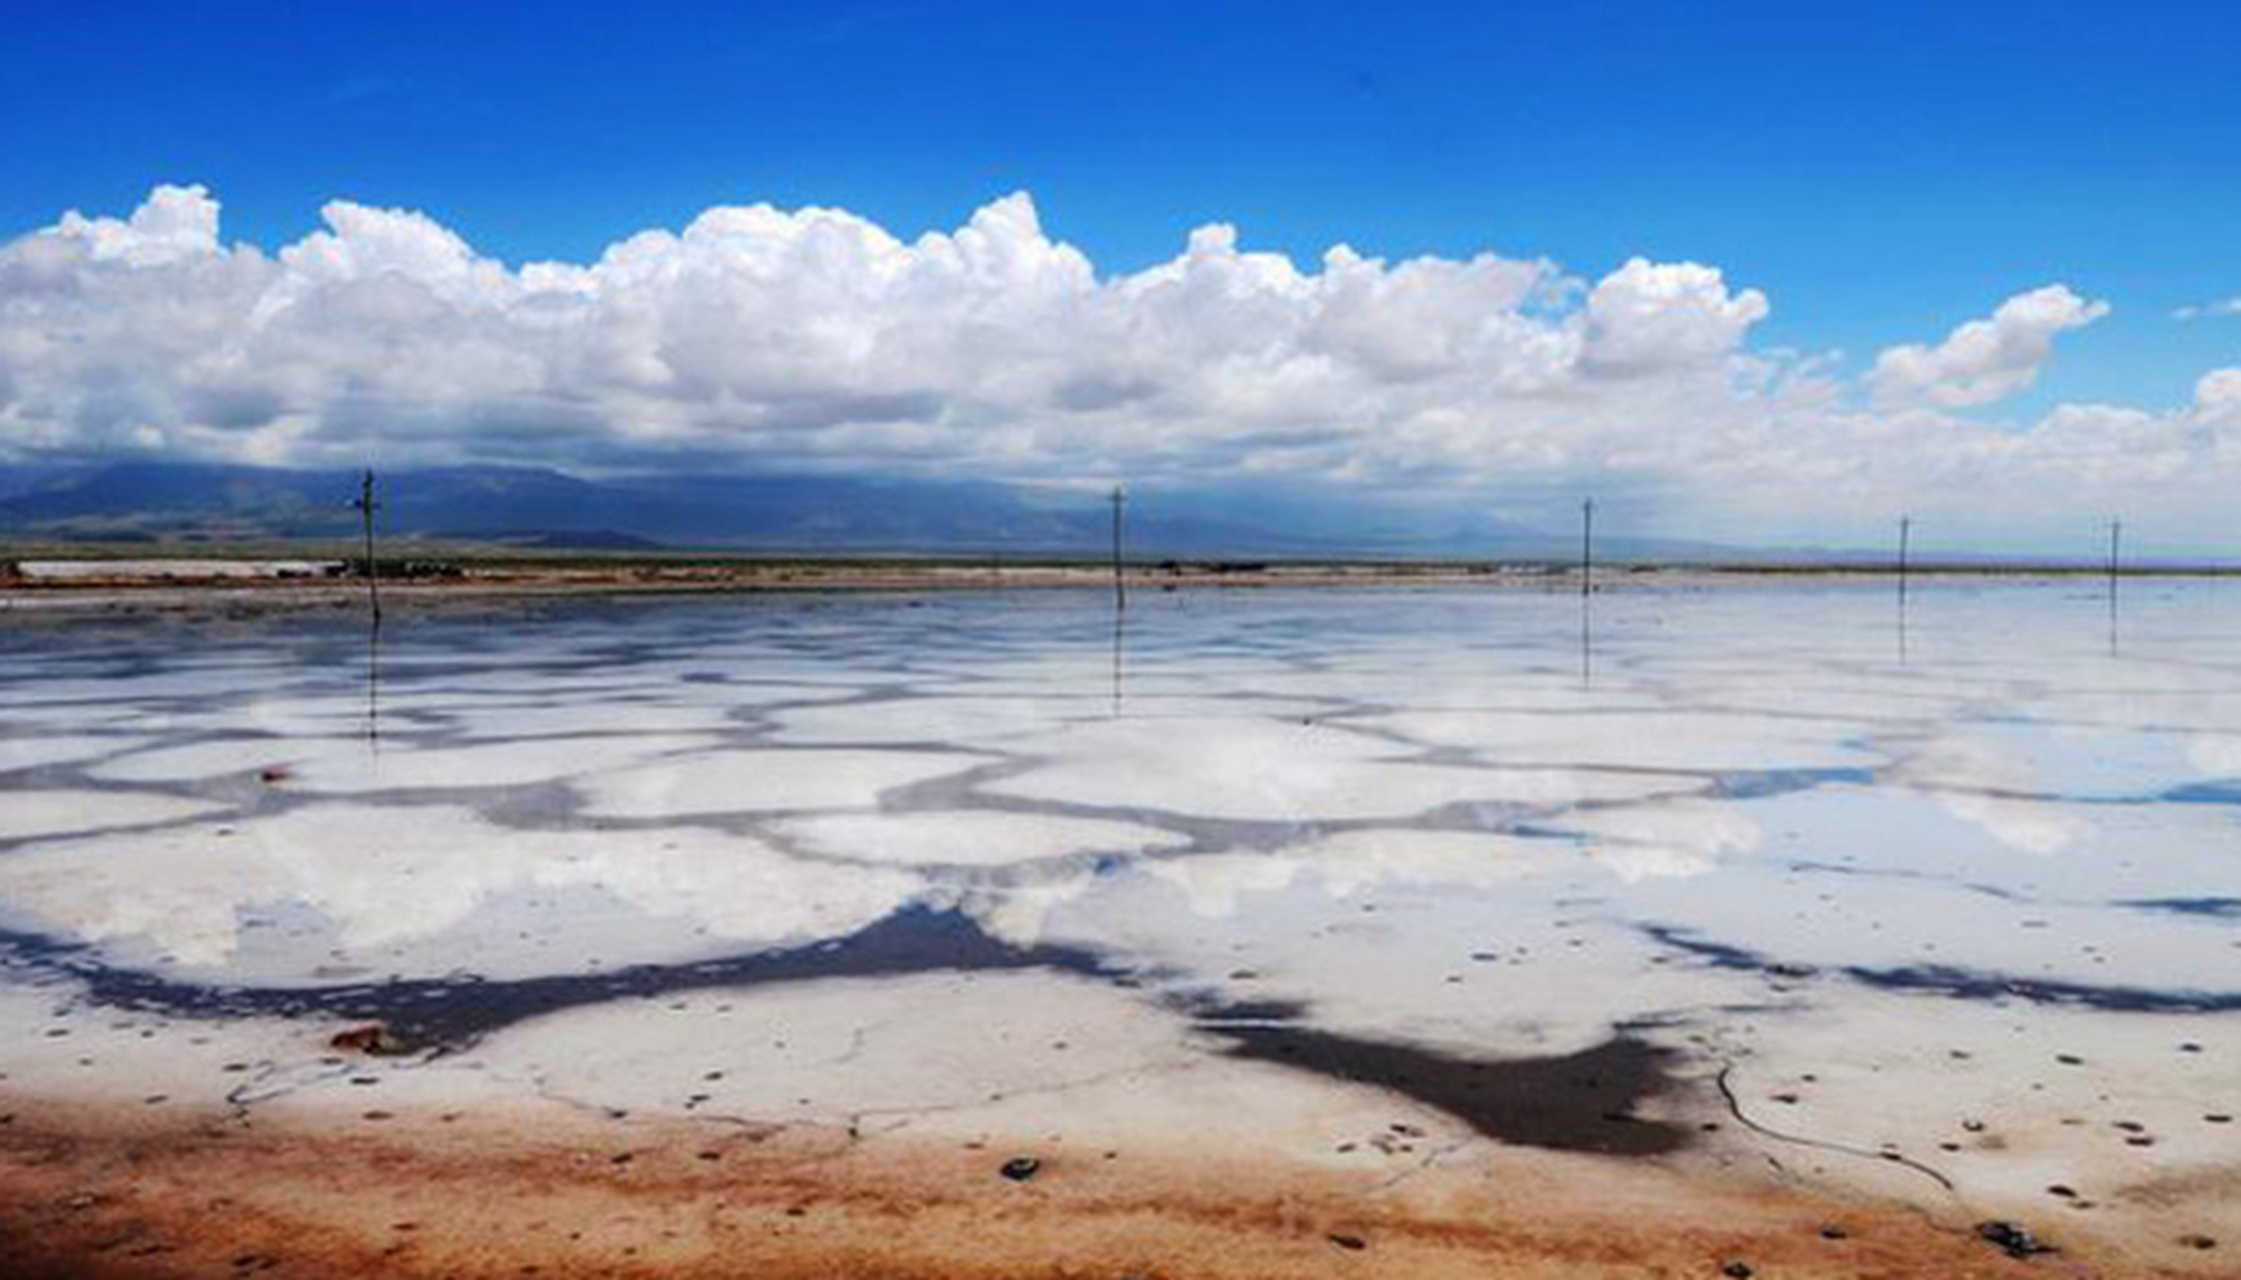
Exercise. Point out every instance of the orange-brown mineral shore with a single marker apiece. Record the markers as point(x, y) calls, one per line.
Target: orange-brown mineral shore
point(89, 1194)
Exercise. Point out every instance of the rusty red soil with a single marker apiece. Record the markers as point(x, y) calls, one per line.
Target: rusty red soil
point(83, 1195)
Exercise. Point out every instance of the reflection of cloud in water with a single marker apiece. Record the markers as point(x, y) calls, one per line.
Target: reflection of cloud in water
point(639, 716)
point(982, 838)
point(55, 749)
point(1968, 773)
point(1682, 740)
point(1020, 912)
point(350, 765)
point(995, 721)
point(2069, 760)
point(2033, 826)
point(1664, 838)
point(1252, 769)
point(759, 781)
point(1348, 862)
point(201, 760)
point(383, 876)
point(31, 815)
point(2217, 755)
point(910, 719)
point(495, 764)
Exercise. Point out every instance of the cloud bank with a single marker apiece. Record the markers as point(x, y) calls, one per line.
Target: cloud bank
point(763, 339)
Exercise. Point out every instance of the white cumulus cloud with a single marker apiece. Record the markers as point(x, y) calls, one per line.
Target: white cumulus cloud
point(1649, 315)
point(1989, 359)
point(776, 337)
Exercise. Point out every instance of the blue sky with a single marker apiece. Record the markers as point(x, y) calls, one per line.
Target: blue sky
point(1881, 172)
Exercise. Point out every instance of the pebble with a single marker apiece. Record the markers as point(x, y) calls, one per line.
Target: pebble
point(1021, 1168)
point(2013, 1240)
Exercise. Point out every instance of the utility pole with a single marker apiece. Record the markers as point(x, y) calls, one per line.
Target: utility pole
point(2116, 547)
point(1120, 587)
point(366, 506)
point(1587, 546)
point(1906, 539)
point(1906, 548)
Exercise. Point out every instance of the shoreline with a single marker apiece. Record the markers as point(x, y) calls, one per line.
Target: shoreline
point(180, 591)
point(139, 1145)
point(551, 1191)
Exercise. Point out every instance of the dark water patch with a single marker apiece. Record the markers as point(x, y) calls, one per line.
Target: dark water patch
point(1584, 1101)
point(1250, 1011)
point(1959, 983)
point(1719, 955)
point(451, 1013)
point(1761, 784)
point(2214, 908)
point(2226, 792)
point(1970, 984)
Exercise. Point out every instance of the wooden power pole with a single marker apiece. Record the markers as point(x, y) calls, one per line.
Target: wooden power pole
point(1587, 546)
point(366, 505)
point(1906, 544)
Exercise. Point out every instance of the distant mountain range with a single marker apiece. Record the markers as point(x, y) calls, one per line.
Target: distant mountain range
point(531, 508)
point(537, 508)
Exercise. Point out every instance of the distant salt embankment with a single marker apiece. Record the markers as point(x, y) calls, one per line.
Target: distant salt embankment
point(174, 570)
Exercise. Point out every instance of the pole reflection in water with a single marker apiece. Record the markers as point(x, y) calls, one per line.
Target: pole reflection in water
point(373, 682)
point(1587, 640)
point(1905, 602)
point(1120, 653)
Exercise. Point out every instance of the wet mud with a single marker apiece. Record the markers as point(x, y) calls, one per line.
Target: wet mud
point(85, 1201)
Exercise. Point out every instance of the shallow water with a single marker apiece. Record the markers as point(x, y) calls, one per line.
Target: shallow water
point(1473, 847)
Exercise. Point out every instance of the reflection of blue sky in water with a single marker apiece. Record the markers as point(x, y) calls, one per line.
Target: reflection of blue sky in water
point(1404, 811)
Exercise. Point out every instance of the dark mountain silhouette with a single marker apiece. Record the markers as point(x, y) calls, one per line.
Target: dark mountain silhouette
point(538, 508)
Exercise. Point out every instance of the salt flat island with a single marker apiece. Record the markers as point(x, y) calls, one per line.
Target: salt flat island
point(1779, 927)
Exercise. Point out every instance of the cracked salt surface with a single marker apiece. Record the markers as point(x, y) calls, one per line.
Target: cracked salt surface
point(1253, 769)
point(1395, 831)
